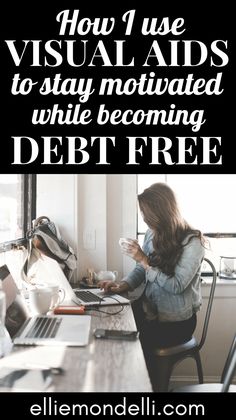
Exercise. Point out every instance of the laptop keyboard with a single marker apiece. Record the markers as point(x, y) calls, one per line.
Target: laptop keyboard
point(44, 327)
point(87, 296)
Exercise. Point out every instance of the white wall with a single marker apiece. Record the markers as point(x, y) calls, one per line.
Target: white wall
point(57, 199)
point(92, 229)
point(106, 211)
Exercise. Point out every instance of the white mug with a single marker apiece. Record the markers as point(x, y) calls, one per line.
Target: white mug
point(45, 298)
point(125, 242)
point(58, 295)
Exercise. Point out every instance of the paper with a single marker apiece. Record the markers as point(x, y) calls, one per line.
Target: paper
point(21, 380)
point(38, 357)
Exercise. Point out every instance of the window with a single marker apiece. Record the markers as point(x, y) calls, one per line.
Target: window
point(207, 202)
point(17, 207)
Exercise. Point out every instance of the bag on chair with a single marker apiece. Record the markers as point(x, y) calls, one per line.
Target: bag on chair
point(45, 237)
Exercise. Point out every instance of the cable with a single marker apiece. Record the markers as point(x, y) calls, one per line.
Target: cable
point(97, 308)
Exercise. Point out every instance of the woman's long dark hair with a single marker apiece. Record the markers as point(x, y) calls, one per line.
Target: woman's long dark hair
point(160, 211)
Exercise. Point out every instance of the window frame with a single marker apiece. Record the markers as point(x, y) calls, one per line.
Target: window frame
point(28, 207)
point(207, 234)
point(211, 235)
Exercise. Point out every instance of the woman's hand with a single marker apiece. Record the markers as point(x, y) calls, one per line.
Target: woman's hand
point(111, 287)
point(133, 250)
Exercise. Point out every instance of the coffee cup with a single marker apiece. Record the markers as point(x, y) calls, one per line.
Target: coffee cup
point(45, 298)
point(58, 295)
point(124, 242)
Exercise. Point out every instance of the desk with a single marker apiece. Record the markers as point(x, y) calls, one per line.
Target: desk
point(106, 365)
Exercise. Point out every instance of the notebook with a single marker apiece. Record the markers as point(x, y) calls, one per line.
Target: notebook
point(67, 330)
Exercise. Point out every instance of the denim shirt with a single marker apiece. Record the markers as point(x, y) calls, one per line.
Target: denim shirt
point(171, 298)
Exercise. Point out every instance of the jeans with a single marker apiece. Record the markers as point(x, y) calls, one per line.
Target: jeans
point(155, 334)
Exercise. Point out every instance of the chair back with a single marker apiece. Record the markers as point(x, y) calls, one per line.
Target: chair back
point(229, 368)
point(210, 302)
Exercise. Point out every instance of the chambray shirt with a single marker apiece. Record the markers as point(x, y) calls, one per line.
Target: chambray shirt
point(171, 298)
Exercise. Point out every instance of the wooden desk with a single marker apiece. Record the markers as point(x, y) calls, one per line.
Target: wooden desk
point(106, 365)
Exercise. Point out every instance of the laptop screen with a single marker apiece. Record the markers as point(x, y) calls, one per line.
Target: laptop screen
point(17, 311)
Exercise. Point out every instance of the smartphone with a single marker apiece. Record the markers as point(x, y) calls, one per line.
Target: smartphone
point(116, 334)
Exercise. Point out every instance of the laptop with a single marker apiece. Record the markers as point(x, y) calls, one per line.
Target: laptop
point(67, 330)
point(96, 297)
point(85, 297)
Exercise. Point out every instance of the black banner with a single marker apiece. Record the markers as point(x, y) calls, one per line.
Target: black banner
point(97, 88)
point(117, 405)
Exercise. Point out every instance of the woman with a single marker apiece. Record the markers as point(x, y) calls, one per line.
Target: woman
point(169, 266)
